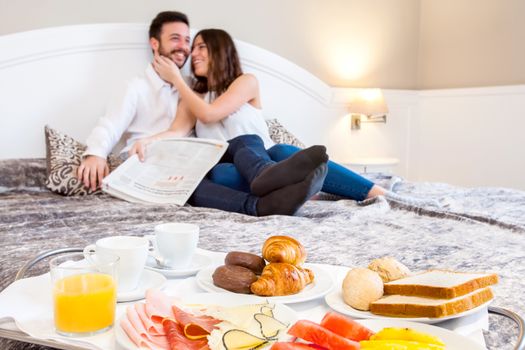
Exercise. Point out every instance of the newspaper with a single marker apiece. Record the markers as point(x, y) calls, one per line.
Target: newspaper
point(171, 171)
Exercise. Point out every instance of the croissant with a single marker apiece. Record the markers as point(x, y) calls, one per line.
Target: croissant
point(281, 279)
point(283, 249)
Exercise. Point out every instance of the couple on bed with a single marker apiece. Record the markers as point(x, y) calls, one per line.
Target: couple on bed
point(255, 176)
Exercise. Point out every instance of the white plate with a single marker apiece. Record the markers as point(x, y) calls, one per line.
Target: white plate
point(198, 262)
point(336, 302)
point(148, 279)
point(321, 285)
point(453, 341)
point(281, 312)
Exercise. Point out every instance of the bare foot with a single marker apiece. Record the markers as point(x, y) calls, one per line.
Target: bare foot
point(376, 191)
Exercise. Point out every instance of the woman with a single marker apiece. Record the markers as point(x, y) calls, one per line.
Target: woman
point(225, 104)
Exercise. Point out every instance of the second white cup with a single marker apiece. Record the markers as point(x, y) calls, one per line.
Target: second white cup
point(174, 244)
point(133, 253)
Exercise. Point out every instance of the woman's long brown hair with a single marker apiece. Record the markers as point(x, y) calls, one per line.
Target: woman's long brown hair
point(224, 65)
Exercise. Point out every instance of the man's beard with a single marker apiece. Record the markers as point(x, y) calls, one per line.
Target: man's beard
point(168, 54)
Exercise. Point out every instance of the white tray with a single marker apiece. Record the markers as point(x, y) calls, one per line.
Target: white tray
point(313, 310)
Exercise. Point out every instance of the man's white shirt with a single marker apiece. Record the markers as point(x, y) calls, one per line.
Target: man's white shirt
point(147, 107)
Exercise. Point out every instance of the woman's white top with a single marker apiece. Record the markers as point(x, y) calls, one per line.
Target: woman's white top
point(246, 120)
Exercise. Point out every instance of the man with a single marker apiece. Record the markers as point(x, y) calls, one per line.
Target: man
point(148, 107)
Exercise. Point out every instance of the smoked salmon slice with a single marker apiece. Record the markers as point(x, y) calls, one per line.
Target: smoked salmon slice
point(345, 327)
point(295, 346)
point(312, 332)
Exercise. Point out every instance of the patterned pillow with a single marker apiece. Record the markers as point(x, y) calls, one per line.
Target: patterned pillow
point(63, 156)
point(279, 134)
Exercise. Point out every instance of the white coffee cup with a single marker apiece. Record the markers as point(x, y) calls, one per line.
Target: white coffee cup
point(132, 251)
point(174, 244)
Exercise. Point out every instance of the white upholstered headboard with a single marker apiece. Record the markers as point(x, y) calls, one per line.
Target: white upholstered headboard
point(65, 76)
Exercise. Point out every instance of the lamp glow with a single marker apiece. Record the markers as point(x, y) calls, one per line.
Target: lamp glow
point(370, 103)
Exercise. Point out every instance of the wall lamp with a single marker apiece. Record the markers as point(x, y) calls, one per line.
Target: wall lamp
point(369, 103)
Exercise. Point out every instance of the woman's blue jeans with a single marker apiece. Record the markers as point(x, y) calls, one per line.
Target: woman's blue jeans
point(247, 155)
point(339, 180)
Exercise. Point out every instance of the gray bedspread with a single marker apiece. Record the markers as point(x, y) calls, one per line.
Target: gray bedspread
point(424, 225)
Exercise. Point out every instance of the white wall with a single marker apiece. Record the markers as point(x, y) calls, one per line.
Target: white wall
point(470, 137)
point(469, 43)
point(356, 43)
point(466, 137)
point(396, 44)
point(377, 140)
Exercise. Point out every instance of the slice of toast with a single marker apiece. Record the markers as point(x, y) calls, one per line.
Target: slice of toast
point(410, 306)
point(440, 284)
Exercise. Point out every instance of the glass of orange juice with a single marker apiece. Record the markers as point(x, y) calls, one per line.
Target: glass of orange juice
point(84, 294)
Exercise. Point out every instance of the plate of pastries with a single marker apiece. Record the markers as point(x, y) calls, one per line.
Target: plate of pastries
point(279, 274)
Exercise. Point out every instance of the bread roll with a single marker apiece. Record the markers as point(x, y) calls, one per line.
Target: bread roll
point(389, 269)
point(361, 287)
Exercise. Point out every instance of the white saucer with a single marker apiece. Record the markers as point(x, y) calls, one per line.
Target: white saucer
point(148, 279)
point(198, 262)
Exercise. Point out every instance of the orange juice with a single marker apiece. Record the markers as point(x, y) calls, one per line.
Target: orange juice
point(84, 303)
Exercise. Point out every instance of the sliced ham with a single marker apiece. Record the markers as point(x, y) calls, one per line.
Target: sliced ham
point(153, 325)
point(135, 321)
point(158, 305)
point(195, 327)
point(150, 326)
point(178, 341)
point(137, 338)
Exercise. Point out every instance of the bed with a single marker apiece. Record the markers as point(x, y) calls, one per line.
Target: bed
point(67, 75)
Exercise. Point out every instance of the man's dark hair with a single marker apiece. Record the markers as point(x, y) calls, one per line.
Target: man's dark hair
point(166, 17)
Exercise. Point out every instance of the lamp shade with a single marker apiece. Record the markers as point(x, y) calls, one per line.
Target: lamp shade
point(369, 102)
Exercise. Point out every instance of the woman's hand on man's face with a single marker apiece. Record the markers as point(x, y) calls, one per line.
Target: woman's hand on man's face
point(166, 68)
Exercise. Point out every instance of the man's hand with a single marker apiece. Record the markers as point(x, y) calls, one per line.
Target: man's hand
point(139, 147)
point(92, 170)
